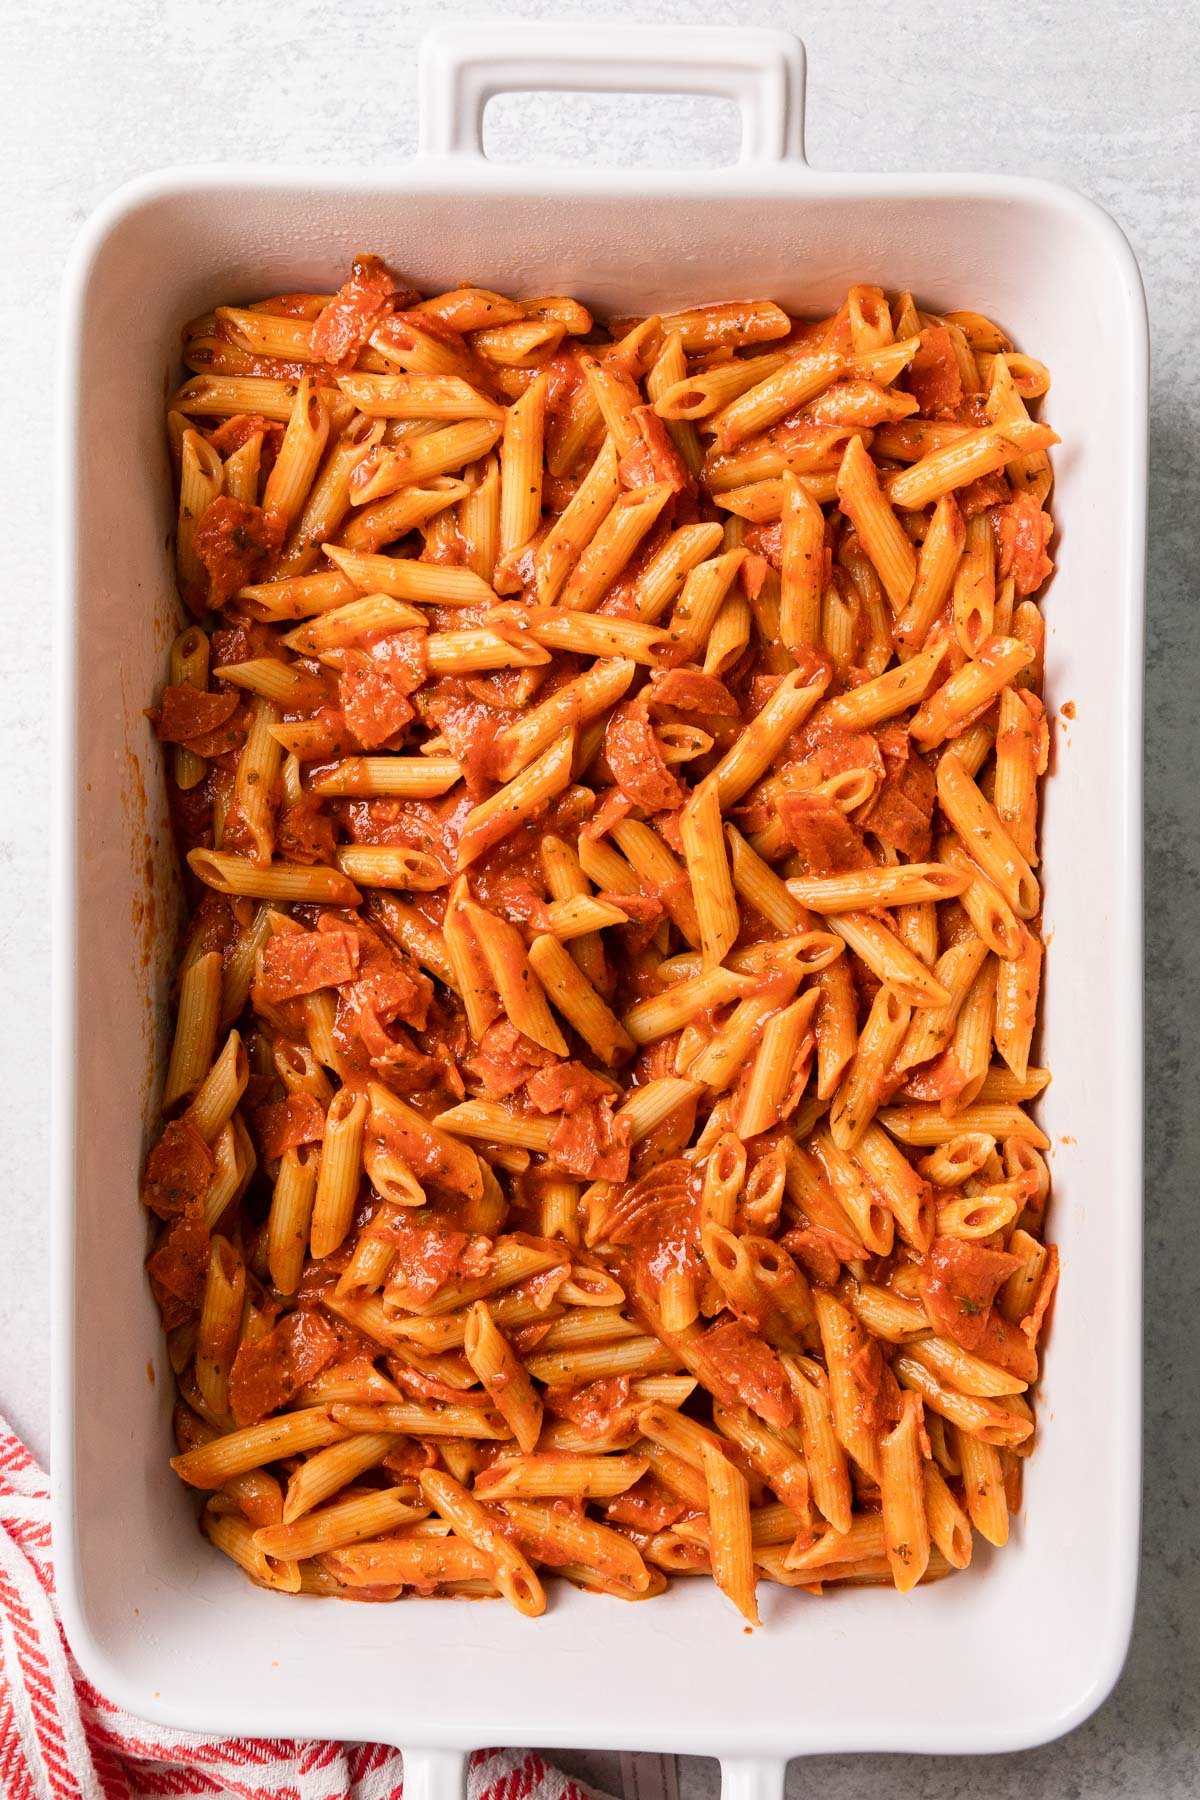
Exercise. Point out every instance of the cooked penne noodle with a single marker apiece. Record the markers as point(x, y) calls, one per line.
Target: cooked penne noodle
point(777, 1065)
point(880, 532)
point(965, 460)
point(583, 698)
point(836, 1025)
point(339, 1172)
point(577, 525)
point(510, 967)
point(663, 579)
point(367, 1515)
point(729, 1530)
point(407, 509)
point(494, 1362)
point(787, 709)
point(343, 625)
point(612, 547)
point(802, 570)
point(555, 1476)
point(906, 1533)
point(300, 453)
point(937, 565)
point(1022, 753)
point(961, 1369)
point(290, 1217)
point(381, 866)
point(405, 579)
point(842, 1339)
point(855, 1103)
point(279, 881)
point(189, 668)
point(966, 694)
point(904, 885)
point(949, 1524)
point(372, 777)
point(699, 396)
point(417, 397)
point(667, 371)
point(508, 1567)
point(889, 959)
point(708, 872)
point(220, 1325)
point(906, 1193)
point(521, 475)
point(201, 480)
point(568, 989)
point(983, 1487)
point(985, 838)
point(1018, 980)
point(784, 390)
point(196, 1022)
point(211, 1465)
point(926, 1125)
point(888, 694)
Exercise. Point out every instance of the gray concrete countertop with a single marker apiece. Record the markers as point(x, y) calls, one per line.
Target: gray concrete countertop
point(1100, 95)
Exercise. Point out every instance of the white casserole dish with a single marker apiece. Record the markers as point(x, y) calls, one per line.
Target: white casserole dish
point(1025, 1644)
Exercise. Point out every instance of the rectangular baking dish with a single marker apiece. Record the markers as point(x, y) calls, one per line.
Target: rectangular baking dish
point(1025, 1644)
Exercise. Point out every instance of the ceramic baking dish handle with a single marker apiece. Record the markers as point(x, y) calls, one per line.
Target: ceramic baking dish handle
point(752, 1777)
point(442, 1775)
point(435, 1774)
point(462, 67)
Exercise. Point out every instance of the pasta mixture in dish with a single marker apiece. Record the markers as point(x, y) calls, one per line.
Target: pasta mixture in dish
point(607, 761)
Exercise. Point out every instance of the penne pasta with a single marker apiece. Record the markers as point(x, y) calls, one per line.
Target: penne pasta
point(600, 1138)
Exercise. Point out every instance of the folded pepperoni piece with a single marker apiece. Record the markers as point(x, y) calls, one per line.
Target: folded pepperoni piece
point(687, 690)
point(565, 1086)
point(746, 1369)
point(271, 1371)
point(281, 1125)
point(300, 962)
point(646, 1506)
point(933, 375)
point(835, 749)
point(1023, 530)
point(643, 912)
point(826, 842)
point(985, 491)
point(232, 433)
point(592, 1142)
point(305, 833)
point(178, 1265)
point(959, 1282)
point(341, 329)
point(597, 1407)
point(609, 811)
point(635, 756)
point(375, 685)
point(427, 1254)
point(185, 713)
point(178, 1170)
point(235, 541)
point(655, 458)
point(387, 982)
point(504, 1059)
point(901, 813)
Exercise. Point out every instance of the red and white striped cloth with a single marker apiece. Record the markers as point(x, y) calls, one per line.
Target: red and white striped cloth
point(61, 1740)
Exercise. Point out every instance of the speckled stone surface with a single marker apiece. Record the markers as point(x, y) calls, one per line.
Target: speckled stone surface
point(1104, 96)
